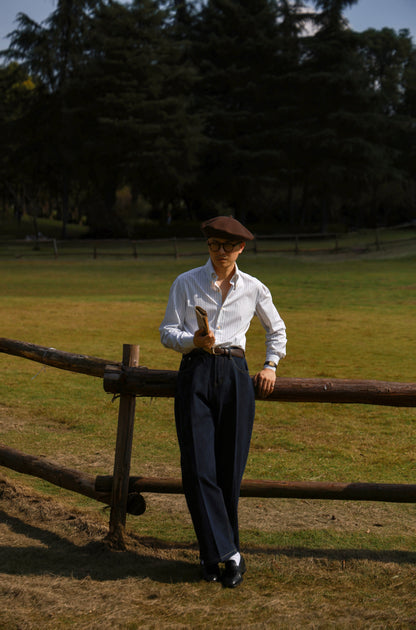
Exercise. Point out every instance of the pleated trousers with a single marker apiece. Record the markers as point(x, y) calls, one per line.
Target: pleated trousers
point(214, 414)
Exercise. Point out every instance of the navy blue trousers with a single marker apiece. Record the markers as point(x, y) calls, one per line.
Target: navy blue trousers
point(214, 412)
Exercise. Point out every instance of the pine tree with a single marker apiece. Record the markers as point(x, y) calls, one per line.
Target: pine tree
point(235, 51)
point(338, 153)
point(16, 169)
point(389, 58)
point(51, 53)
point(141, 128)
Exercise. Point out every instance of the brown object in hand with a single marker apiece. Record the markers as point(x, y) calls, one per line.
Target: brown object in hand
point(202, 319)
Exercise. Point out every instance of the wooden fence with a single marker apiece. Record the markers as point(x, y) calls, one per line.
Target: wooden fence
point(123, 492)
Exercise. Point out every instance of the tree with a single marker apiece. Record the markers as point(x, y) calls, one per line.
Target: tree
point(331, 17)
point(286, 101)
point(389, 60)
point(226, 105)
point(385, 55)
point(141, 130)
point(235, 52)
point(51, 54)
point(16, 93)
point(339, 150)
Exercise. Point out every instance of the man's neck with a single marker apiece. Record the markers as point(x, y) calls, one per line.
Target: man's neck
point(225, 273)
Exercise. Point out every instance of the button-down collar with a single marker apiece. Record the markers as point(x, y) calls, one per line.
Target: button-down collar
point(212, 275)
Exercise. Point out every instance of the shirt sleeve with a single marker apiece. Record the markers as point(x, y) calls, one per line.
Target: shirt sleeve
point(273, 324)
point(172, 332)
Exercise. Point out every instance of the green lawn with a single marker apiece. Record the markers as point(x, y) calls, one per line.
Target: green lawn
point(345, 320)
point(312, 564)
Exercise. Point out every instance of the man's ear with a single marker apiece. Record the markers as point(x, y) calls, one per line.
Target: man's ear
point(242, 246)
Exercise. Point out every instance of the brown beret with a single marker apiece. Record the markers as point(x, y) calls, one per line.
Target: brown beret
point(226, 227)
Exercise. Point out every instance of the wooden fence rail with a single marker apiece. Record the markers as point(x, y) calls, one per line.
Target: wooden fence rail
point(123, 492)
point(67, 478)
point(101, 486)
point(391, 492)
point(161, 383)
point(80, 363)
point(141, 381)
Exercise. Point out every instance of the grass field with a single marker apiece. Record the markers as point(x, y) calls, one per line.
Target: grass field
point(311, 564)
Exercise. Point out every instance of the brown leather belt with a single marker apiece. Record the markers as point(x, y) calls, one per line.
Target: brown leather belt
point(231, 351)
point(228, 352)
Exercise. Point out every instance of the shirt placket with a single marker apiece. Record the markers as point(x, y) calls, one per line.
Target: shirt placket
point(218, 315)
point(220, 319)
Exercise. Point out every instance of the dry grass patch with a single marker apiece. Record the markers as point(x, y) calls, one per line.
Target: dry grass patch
point(56, 572)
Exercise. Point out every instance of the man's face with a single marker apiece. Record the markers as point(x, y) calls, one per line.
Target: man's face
point(224, 252)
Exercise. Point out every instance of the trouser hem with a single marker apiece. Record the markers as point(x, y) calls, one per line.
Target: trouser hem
point(222, 558)
point(228, 556)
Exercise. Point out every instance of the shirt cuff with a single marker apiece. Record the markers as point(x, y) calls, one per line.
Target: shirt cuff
point(187, 343)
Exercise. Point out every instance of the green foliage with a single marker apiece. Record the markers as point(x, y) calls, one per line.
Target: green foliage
point(138, 87)
point(234, 49)
point(45, 151)
point(223, 107)
point(11, 229)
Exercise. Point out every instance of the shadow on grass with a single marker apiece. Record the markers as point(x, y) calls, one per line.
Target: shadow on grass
point(385, 555)
point(56, 555)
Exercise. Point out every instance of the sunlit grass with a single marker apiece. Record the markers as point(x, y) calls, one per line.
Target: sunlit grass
point(347, 320)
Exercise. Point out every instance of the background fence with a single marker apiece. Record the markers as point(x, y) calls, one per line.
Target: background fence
point(297, 243)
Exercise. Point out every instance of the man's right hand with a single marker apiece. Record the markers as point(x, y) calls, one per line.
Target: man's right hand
point(203, 340)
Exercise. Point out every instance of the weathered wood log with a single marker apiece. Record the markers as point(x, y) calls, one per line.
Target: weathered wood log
point(67, 478)
point(83, 364)
point(161, 383)
point(49, 471)
point(394, 493)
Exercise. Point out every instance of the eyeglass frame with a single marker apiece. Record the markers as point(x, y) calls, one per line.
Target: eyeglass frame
point(228, 246)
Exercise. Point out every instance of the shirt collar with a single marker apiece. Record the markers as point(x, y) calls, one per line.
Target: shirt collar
point(212, 276)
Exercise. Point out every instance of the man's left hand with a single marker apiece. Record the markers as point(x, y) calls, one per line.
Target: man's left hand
point(264, 382)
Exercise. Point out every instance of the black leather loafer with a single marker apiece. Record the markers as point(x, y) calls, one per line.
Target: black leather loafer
point(210, 572)
point(233, 573)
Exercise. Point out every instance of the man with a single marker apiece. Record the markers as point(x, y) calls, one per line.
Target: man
point(214, 402)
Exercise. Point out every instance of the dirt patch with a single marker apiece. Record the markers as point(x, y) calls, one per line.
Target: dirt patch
point(10, 421)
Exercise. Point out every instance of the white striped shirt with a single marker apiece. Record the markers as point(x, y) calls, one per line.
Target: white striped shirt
point(229, 320)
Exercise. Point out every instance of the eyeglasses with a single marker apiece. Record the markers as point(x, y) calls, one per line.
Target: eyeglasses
point(228, 246)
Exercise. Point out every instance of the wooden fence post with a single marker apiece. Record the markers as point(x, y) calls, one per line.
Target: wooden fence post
point(122, 458)
point(175, 245)
point(377, 240)
point(296, 244)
